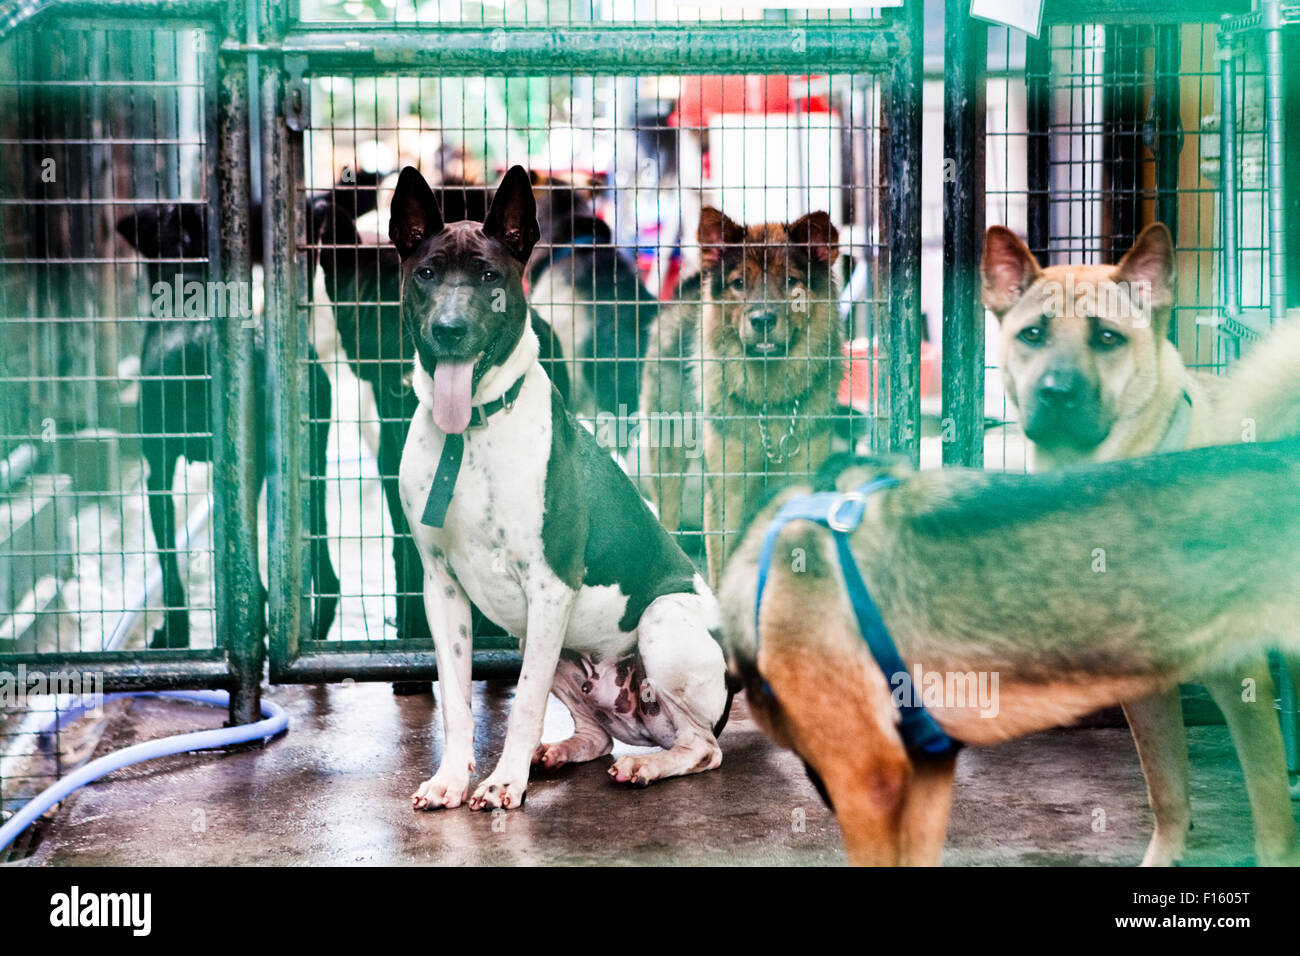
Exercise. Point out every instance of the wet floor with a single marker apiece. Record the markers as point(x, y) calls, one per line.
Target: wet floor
point(335, 789)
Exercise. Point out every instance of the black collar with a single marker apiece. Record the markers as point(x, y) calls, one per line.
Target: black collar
point(453, 449)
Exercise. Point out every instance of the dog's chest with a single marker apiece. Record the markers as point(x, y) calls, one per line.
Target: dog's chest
point(493, 536)
point(492, 533)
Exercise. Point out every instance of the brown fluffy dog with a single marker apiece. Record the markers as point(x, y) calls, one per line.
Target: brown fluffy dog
point(755, 346)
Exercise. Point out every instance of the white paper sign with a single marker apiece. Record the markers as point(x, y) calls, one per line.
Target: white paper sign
point(1026, 15)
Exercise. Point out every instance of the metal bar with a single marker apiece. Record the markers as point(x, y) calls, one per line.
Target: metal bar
point(284, 351)
point(1167, 104)
point(1038, 119)
point(408, 646)
point(157, 675)
point(236, 436)
point(587, 50)
point(963, 227)
point(46, 661)
point(1121, 12)
point(319, 668)
point(16, 14)
point(1275, 142)
point(1228, 163)
point(132, 670)
point(903, 160)
point(1122, 139)
point(1168, 125)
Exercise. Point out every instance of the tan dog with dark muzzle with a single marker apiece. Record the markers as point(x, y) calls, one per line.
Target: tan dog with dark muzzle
point(1088, 364)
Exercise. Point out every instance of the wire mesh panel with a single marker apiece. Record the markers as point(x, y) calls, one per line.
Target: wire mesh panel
point(720, 226)
point(105, 303)
point(1093, 132)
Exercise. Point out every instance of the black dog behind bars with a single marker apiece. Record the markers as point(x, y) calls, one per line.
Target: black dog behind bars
point(593, 297)
point(175, 415)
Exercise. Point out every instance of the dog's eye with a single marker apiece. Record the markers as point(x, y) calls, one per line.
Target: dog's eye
point(738, 283)
point(424, 272)
point(792, 281)
point(490, 276)
point(1108, 339)
point(1031, 335)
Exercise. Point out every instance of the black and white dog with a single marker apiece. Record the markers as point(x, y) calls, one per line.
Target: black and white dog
point(516, 507)
point(590, 293)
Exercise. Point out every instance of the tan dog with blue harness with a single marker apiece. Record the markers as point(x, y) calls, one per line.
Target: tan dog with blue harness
point(1012, 603)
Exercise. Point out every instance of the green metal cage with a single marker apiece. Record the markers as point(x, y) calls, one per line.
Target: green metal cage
point(221, 120)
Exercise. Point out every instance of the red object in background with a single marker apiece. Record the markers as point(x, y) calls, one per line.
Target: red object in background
point(704, 97)
point(859, 388)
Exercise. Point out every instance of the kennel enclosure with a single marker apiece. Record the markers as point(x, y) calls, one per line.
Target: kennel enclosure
point(221, 107)
point(1112, 117)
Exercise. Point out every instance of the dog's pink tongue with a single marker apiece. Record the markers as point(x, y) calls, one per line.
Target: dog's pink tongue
point(453, 383)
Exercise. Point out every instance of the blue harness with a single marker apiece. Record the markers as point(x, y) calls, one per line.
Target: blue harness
point(841, 514)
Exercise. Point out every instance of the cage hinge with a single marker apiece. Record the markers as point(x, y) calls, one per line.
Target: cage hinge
point(297, 94)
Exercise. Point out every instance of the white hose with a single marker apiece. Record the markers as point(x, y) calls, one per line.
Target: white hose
point(274, 721)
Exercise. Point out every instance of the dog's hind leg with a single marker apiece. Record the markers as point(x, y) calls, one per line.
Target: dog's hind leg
point(175, 629)
point(1258, 739)
point(412, 622)
point(324, 579)
point(685, 671)
point(1157, 726)
point(589, 739)
point(926, 804)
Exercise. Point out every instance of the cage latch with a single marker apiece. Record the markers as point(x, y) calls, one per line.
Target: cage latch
point(297, 94)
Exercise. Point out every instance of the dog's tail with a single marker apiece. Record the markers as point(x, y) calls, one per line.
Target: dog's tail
point(1263, 394)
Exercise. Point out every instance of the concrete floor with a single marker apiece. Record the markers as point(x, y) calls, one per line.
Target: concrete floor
point(334, 791)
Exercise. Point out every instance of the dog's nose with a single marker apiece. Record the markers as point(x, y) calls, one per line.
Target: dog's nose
point(448, 331)
point(1060, 388)
point(762, 322)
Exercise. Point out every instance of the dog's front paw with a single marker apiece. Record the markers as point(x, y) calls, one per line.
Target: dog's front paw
point(636, 769)
point(442, 790)
point(498, 793)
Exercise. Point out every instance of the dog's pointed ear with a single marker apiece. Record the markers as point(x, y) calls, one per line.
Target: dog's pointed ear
point(1007, 269)
point(414, 212)
point(815, 235)
point(1148, 268)
point(512, 218)
point(715, 232)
